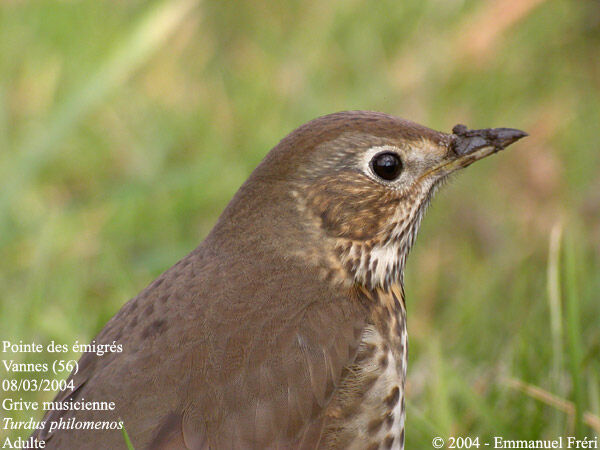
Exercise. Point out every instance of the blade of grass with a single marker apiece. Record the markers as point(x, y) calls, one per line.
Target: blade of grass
point(4, 121)
point(590, 419)
point(126, 439)
point(556, 319)
point(439, 390)
point(594, 389)
point(574, 345)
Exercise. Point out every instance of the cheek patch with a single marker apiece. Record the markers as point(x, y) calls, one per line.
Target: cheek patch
point(351, 206)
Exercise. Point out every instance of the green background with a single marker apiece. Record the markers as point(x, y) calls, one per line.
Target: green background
point(125, 127)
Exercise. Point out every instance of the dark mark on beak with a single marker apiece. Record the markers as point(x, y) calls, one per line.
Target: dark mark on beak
point(466, 141)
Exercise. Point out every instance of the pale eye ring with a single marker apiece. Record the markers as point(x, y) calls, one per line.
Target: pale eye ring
point(386, 165)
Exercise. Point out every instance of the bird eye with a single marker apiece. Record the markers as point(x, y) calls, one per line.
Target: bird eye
point(387, 165)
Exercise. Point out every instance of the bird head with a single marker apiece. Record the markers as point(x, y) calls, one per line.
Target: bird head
point(350, 189)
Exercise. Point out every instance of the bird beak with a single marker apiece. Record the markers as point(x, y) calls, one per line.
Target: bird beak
point(467, 146)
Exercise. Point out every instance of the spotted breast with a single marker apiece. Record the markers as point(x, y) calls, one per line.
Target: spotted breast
point(367, 411)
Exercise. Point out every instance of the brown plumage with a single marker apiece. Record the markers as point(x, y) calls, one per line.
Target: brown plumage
point(286, 327)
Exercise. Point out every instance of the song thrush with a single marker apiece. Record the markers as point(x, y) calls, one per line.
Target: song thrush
point(286, 327)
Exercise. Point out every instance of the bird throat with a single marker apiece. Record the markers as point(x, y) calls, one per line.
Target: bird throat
point(379, 263)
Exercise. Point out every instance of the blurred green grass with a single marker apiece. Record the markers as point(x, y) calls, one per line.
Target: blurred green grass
point(126, 127)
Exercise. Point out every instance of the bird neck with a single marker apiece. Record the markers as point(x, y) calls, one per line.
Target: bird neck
point(379, 262)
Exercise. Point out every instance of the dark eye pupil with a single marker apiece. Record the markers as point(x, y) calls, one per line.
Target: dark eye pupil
point(387, 165)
